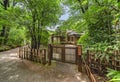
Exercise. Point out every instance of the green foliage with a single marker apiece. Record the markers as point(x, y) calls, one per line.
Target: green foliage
point(16, 36)
point(74, 23)
point(45, 37)
point(99, 23)
point(102, 50)
point(40, 17)
point(95, 17)
point(84, 39)
point(113, 75)
point(34, 15)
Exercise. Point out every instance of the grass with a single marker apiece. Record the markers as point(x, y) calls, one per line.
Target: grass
point(4, 48)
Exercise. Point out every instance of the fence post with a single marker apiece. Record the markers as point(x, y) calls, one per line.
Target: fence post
point(52, 39)
point(63, 54)
point(19, 52)
point(50, 52)
point(39, 54)
point(88, 58)
point(44, 56)
point(27, 53)
point(76, 55)
point(22, 51)
point(79, 49)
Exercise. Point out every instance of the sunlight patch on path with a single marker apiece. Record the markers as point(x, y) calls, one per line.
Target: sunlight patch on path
point(12, 77)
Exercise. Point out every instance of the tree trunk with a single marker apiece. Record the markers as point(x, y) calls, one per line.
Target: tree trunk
point(33, 38)
point(3, 34)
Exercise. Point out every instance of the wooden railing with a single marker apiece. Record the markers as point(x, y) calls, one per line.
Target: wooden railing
point(99, 64)
point(37, 55)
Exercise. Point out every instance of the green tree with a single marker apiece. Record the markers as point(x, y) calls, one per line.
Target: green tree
point(4, 32)
point(94, 17)
point(40, 14)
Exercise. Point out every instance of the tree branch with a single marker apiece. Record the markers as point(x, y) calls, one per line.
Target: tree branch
point(81, 6)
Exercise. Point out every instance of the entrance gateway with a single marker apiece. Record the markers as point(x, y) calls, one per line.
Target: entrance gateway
point(65, 53)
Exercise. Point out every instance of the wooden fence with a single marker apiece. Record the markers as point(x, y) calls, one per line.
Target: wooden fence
point(99, 63)
point(37, 55)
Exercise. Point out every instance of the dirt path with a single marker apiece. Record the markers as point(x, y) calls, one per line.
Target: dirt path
point(13, 69)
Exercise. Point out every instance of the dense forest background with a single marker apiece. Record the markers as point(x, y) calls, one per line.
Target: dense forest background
point(25, 22)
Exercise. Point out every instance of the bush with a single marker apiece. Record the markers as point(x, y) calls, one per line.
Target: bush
point(16, 37)
point(84, 39)
point(4, 48)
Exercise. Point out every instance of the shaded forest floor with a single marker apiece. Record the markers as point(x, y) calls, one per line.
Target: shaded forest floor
point(13, 69)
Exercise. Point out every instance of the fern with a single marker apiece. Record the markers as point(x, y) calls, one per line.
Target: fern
point(113, 75)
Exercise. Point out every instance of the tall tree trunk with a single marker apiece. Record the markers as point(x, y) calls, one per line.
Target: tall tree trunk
point(3, 34)
point(34, 41)
point(6, 4)
point(6, 35)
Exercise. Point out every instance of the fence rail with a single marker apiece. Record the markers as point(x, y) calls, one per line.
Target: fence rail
point(37, 55)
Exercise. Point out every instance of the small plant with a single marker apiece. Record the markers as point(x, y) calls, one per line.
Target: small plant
point(113, 75)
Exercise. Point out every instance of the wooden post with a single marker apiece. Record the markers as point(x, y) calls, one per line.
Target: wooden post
point(19, 52)
point(63, 54)
point(88, 58)
point(76, 55)
point(39, 56)
point(27, 53)
point(79, 58)
point(22, 51)
point(44, 56)
point(32, 54)
point(52, 39)
point(35, 55)
point(50, 52)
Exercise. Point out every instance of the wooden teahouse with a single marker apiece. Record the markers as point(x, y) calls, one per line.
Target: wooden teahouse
point(71, 37)
point(57, 39)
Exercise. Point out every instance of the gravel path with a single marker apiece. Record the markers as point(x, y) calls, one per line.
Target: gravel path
point(13, 69)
